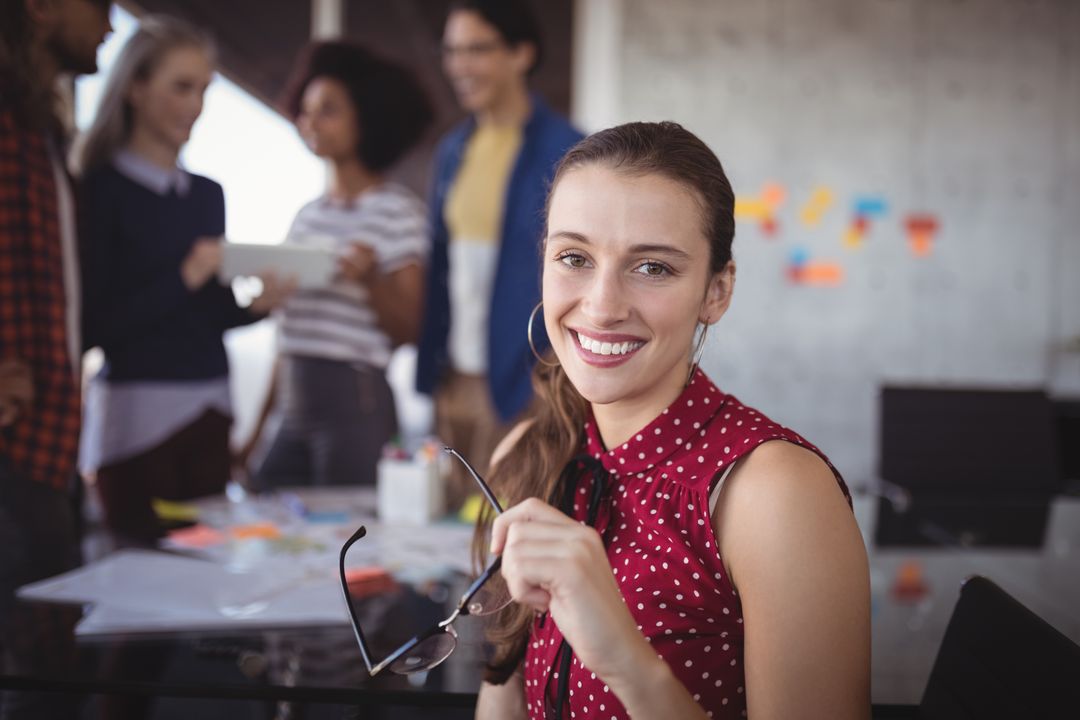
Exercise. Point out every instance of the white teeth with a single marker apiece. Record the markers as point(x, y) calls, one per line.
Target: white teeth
point(607, 348)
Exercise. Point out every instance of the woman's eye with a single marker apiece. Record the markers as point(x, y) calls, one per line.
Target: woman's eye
point(653, 269)
point(572, 260)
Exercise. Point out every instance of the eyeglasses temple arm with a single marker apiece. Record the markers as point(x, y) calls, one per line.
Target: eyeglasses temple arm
point(348, 598)
point(479, 480)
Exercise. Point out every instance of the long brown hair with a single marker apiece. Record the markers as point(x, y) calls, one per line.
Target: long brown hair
point(156, 37)
point(534, 464)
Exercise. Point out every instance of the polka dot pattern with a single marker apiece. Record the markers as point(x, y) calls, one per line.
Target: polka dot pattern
point(662, 548)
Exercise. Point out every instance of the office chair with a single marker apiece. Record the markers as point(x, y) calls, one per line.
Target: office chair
point(1000, 660)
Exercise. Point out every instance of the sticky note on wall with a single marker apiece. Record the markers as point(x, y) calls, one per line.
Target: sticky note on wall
point(802, 270)
point(921, 231)
point(821, 199)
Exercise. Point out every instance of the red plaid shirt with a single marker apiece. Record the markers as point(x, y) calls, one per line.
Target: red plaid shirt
point(43, 442)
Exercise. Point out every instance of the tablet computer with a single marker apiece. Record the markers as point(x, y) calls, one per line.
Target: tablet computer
point(311, 266)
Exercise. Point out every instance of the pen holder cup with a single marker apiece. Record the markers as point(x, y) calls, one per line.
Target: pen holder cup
point(409, 491)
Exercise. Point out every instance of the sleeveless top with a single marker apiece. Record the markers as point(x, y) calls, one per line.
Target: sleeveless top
point(654, 518)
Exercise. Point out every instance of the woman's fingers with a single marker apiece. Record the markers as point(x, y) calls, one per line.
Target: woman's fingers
point(530, 510)
point(550, 557)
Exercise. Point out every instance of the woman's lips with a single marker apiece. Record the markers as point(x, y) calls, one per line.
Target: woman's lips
point(605, 350)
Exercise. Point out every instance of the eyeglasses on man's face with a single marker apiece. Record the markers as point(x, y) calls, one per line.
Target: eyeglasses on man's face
point(485, 595)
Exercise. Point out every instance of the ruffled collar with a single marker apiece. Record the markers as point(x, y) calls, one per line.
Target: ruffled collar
point(665, 435)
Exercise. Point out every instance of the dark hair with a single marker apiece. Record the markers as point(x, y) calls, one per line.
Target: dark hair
point(514, 19)
point(392, 109)
point(19, 83)
point(534, 465)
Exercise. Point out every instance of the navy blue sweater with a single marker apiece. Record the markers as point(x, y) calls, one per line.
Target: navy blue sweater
point(135, 304)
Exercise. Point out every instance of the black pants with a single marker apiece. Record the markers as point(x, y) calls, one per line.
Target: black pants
point(38, 539)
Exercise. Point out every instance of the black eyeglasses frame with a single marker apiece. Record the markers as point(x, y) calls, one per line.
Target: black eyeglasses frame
point(444, 626)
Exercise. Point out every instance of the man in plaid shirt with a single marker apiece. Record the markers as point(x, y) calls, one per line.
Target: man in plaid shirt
point(39, 343)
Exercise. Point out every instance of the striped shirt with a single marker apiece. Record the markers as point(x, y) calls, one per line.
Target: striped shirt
point(337, 322)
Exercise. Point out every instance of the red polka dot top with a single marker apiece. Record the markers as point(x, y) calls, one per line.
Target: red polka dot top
point(654, 518)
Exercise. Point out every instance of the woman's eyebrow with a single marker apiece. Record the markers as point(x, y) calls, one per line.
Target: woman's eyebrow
point(640, 249)
point(568, 235)
point(657, 249)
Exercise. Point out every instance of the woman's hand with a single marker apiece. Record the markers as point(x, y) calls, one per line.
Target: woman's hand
point(16, 390)
point(358, 263)
point(274, 293)
point(202, 262)
point(555, 564)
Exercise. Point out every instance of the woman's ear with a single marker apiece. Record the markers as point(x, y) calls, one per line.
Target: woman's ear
point(718, 294)
point(524, 56)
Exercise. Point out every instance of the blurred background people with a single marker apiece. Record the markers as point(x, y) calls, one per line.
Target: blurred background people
point(361, 114)
point(39, 335)
point(158, 414)
point(490, 178)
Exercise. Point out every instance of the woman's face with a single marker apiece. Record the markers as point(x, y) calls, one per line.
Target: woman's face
point(167, 104)
point(479, 64)
point(626, 280)
point(328, 121)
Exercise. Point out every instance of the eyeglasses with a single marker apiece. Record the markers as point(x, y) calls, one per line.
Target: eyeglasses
point(485, 595)
point(472, 51)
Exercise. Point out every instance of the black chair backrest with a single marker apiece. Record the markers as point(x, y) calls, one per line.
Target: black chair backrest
point(1000, 660)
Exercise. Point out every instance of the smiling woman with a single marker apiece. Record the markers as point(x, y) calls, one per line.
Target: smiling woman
point(158, 414)
point(672, 552)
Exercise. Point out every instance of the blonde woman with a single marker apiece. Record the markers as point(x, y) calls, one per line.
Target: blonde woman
point(158, 414)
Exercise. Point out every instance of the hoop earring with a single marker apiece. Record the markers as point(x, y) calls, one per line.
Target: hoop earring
point(699, 349)
point(528, 333)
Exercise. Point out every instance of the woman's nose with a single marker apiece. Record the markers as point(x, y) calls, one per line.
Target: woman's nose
point(606, 302)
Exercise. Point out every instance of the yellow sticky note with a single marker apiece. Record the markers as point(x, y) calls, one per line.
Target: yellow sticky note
point(174, 511)
point(470, 509)
point(821, 199)
point(751, 209)
point(853, 238)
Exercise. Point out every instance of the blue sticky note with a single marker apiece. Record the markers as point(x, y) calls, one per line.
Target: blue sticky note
point(871, 206)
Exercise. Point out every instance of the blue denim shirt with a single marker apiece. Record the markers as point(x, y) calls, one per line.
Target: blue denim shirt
point(546, 138)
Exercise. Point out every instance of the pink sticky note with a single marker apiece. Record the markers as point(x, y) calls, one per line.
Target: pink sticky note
point(196, 536)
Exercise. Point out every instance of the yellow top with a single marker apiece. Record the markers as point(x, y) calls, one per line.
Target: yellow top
point(474, 205)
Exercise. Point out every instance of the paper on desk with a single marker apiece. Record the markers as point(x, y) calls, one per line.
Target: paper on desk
point(141, 591)
point(145, 591)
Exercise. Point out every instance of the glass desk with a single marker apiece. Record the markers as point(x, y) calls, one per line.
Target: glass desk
point(160, 626)
point(271, 668)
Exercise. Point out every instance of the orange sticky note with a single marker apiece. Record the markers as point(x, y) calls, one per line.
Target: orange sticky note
point(260, 531)
point(367, 581)
point(773, 195)
point(921, 229)
point(821, 273)
point(197, 536)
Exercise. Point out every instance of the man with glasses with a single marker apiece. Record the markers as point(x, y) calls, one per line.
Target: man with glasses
point(490, 183)
point(40, 40)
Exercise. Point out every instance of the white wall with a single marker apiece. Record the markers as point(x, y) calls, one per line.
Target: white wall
point(969, 110)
